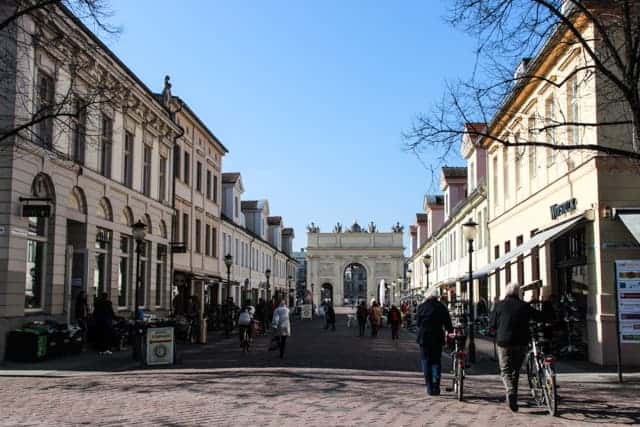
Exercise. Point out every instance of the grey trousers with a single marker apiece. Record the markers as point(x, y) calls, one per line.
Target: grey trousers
point(510, 359)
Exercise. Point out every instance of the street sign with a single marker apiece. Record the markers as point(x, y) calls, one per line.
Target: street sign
point(628, 300)
point(36, 211)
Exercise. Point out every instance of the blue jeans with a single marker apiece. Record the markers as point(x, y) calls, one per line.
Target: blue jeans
point(431, 355)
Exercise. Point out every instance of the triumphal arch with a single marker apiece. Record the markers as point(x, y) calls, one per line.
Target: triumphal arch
point(354, 264)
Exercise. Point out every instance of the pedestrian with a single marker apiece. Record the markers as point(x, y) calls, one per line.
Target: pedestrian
point(395, 320)
point(104, 315)
point(330, 317)
point(510, 320)
point(281, 326)
point(361, 314)
point(375, 316)
point(432, 321)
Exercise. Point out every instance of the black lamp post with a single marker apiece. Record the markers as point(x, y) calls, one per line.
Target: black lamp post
point(267, 274)
point(410, 284)
point(469, 231)
point(427, 263)
point(228, 261)
point(289, 291)
point(139, 233)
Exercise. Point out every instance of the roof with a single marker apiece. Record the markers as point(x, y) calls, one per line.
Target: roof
point(249, 204)
point(230, 177)
point(454, 172)
point(434, 199)
point(274, 220)
point(200, 122)
point(421, 217)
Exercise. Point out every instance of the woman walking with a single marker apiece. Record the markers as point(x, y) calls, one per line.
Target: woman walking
point(395, 319)
point(375, 316)
point(362, 317)
point(281, 326)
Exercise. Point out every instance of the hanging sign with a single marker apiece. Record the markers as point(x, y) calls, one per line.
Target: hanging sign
point(36, 211)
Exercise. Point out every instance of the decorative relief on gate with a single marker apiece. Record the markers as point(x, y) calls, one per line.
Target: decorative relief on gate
point(326, 269)
point(383, 269)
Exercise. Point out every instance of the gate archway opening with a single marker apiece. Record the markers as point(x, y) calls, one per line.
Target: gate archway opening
point(326, 293)
point(355, 284)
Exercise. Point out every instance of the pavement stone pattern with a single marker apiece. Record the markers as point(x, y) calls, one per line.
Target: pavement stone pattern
point(327, 378)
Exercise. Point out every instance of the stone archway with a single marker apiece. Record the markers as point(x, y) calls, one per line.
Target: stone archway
point(354, 284)
point(326, 292)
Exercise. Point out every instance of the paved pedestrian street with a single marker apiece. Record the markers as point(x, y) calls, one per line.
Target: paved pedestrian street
point(327, 378)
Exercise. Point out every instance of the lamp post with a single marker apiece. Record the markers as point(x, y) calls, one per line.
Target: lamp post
point(267, 274)
point(410, 284)
point(228, 262)
point(427, 263)
point(469, 231)
point(289, 291)
point(138, 235)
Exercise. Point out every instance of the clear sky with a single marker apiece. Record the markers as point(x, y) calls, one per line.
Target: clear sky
point(310, 97)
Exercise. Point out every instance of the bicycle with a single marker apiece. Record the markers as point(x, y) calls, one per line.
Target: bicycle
point(245, 340)
point(458, 355)
point(541, 375)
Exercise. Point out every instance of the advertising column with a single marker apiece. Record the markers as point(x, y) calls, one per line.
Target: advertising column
point(627, 289)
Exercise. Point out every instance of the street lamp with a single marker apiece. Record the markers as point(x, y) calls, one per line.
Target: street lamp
point(267, 274)
point(410, 284)
point(289, 291)
point(228, 261)
point(469, 231)
point(139, 234)
point(427, 263)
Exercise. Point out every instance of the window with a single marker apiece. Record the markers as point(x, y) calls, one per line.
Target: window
point(144, 271)
point(551, 130)
point(79, 132)
point(101, 276)
point(199, 176)
point(161, 268)
point(519, 240)
point(207, 240)
point(507, 246)
point(128, 159)
point(185, 229)
point(520, 269)
point(495, 180)
point(123, 273)
point(496, 252)
point(214, 242)
point(45, 100)
point(215, 188)
point(573, 108)
point(187, 167)
point(533, 166)
point(507, 272)
point(146, 170)
point(105, 146)
point(519, 155)
point(36, 250)
point(176, 161)
point(162, 184)
point(198, 236)
point(505, 173)
point(208, 184)
point(237, 254)
point(235, 207)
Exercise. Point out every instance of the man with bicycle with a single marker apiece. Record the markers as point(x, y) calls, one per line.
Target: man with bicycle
point(432, 320)
point(245, 321)
point(510, 321)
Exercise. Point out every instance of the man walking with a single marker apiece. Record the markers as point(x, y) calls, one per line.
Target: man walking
point(281, 326)
point(330, 316)
point(361, 314)
point(510, 320)
point(432, 320)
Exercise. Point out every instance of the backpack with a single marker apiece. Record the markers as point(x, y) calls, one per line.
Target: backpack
point(244, 319)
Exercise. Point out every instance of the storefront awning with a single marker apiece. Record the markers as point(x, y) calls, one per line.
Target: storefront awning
point(537, 240)
point(631, 219)
point(446, 283)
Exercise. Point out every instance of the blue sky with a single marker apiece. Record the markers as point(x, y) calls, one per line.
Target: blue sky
point(310, 98)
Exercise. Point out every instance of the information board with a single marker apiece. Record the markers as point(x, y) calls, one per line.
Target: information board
point(307, 311)
point(628, 292)
point(160, 346)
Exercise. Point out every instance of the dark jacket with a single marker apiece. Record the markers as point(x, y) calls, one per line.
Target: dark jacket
point(432, 319)
point(103, 312)
point(331, 314)
point(510, 319)
point(362, 313)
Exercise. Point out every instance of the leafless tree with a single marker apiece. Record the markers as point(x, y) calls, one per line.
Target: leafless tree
point(607, 33)
point(27, 104)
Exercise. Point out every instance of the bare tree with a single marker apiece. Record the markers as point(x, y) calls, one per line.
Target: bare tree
point(37, 109)
point(514, 38)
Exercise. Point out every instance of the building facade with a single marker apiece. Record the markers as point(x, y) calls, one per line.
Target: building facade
point(350, 266)
point(73, 187)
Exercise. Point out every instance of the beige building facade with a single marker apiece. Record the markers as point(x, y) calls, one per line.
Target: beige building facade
point(349, 266)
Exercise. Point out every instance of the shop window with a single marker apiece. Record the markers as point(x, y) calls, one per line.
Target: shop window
point(102, 265)
point(124, 272)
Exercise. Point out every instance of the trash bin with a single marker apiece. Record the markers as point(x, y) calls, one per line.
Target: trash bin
point(27, 345)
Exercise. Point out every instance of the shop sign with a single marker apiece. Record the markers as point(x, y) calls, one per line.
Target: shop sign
point(560, 209)
point(36, 211)
point(628, 300)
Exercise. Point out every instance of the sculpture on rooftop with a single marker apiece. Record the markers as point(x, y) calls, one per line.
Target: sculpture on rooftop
point(337, 228)
point(313, 228)
point(355, 227)
point(397, 228)
point(372, 227)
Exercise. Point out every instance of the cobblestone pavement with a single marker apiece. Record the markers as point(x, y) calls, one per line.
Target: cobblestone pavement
point(327, 378)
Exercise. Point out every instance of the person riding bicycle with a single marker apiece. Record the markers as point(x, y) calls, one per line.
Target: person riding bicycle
point(432, 320)
point(510, 319)
point(245, 320)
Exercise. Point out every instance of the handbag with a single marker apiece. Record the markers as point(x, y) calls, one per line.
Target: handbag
point(273, 344)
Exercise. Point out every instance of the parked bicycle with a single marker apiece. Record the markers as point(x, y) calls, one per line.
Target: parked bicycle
point(456, 342)
point(540, 372)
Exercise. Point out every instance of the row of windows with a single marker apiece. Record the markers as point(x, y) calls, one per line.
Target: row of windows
point(254, 258)
point(210, 234)
point(184, 173)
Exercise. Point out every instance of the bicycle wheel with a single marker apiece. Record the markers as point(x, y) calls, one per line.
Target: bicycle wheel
point(531, 372)
point(460, 382)
point(549, 390)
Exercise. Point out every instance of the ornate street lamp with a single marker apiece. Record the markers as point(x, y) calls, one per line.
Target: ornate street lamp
point(410, 284)
point(427, 263)
point(267, 274)
point(291, 302)
point(469, 231)
point(139, 233)
point(228, 261)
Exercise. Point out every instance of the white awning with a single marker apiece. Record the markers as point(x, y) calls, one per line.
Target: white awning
point(631, 219)
point(537, 240)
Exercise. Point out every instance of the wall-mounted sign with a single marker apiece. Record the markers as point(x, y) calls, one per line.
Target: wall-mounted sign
point(178, 248)
point(562, 208)
point(36, 211)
